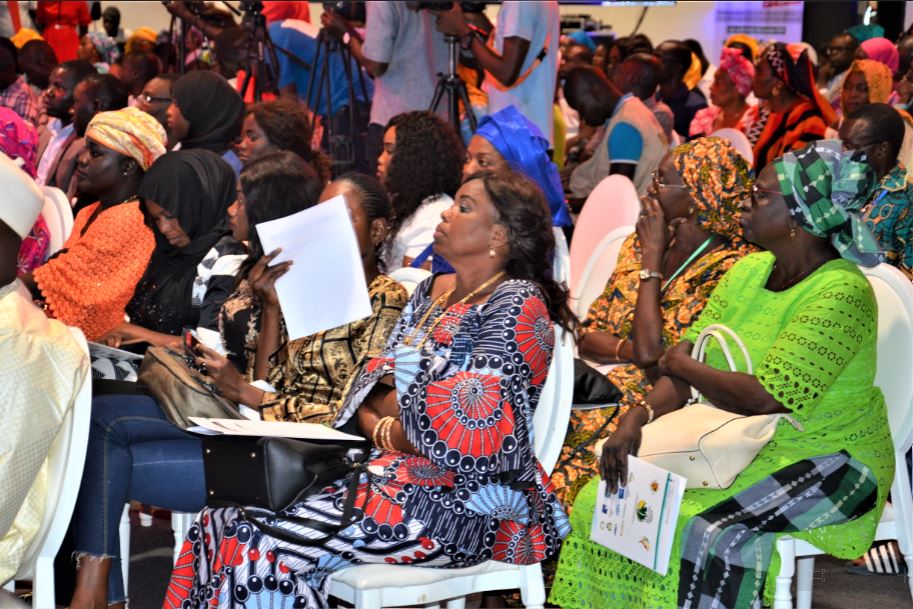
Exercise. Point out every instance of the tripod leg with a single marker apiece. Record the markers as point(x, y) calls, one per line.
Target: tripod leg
point(438, 94)
point(470, 113)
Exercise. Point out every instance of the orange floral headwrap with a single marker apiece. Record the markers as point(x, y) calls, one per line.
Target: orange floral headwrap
point(130, 132)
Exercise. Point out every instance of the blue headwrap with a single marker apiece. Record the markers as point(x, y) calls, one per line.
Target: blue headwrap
point(581, 37)
point(525, 149)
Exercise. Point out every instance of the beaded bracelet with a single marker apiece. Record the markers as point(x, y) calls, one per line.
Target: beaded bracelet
point(643, 404)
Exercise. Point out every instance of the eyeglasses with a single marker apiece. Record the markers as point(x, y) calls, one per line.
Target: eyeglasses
point(658, 183)
point(756, 192)
point(151, 98)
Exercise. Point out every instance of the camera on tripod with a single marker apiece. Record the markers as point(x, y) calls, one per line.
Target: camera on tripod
point(446, 5)
point(347, 9)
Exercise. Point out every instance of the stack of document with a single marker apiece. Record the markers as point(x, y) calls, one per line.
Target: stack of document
point(276, 429)
point(638, 521)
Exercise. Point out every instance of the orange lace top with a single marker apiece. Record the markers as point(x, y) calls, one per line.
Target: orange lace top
point(90, 283)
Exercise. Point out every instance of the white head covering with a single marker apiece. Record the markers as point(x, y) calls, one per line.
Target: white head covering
point(20, 198)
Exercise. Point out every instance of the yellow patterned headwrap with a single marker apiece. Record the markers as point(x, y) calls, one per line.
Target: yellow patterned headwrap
point(718, 179)
point(24, 35)
point(878, 77)
point(130, 132)
point(694, 73)
point(143, 33)
point(749, 41)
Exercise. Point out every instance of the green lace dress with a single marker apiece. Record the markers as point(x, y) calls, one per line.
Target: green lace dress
point(813, 347)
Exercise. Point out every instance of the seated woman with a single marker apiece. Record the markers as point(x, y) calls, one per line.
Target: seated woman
point(19, 141)
point(185, 195)
point(420, 166)
point(206, 113)
point(809, 320)
point(507, 139)
point(688, 236)
point(89, 283)
point(277, 125)
point(135, 452)
point(478, 342)
point(731, 85)
point(99, 49)
point(798, 114)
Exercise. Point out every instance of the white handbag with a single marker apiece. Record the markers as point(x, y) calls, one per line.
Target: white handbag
point(709, 446)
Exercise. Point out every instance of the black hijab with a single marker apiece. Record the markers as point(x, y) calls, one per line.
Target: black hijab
point(213, 108)
point(196, 187)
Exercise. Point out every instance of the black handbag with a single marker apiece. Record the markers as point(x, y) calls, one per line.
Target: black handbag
point(592, 387)
point(256, 474)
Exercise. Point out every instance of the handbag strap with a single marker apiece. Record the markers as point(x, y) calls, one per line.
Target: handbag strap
point(720, 333)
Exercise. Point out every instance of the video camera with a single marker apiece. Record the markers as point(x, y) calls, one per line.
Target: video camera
point(347, 9)
point(445, 5)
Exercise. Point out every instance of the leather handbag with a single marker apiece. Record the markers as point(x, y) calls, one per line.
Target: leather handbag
point(592, 386)
point(705, 444)
point(181, 390)
point(254, 474)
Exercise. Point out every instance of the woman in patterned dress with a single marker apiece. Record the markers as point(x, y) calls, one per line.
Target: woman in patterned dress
point(453, 479)
point(688, 233)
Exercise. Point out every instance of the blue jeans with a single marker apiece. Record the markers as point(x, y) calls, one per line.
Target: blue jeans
point(134, 452)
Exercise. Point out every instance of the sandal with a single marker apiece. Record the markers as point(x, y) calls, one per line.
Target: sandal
point(880, 559)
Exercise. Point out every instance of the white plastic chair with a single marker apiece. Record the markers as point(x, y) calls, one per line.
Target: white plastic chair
point(597, 270)
point(65, 464)
point(739, 142)
point(58, 215)
point(894, 294)
point(561, 266)
point(410, 277)
point(613, 203)
point(375, 586)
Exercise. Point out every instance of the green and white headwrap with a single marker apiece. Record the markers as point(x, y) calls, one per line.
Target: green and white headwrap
point(825, 187)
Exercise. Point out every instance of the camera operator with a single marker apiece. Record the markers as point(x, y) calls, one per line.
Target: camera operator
point(402, 51)
point(523, 65)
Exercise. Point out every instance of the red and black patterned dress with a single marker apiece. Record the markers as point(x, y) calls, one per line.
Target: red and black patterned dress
point(477, 492)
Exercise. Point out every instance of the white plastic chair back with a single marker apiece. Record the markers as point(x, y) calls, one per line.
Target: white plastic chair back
point(58, 215)
point(410, 277)
point(554, 409)
point(65, 464)
point(561, 267)
point(739, 142)
point(894, 295)
point(613, 203)
point(597, 270)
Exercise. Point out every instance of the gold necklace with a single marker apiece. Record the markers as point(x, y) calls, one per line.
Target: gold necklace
point(440, 300)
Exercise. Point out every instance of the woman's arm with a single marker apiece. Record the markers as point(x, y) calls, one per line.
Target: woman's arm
point(262, 279)
point(647, 327)
point(380, 403)
point(605, 348)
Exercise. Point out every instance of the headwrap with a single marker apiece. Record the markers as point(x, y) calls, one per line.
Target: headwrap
point(25, 35)
point(791, 65)
point(279, 10)
point(143, 33)
point(106, 47)
point(863, 32)
point(525, 149)
point(582, 38)
point(131, 132)
point(883, 51)
point(213, 109)
point(18, 140)
point(20, 198)
point(878, 78)
point(825, 187)
point(747, 40)
point(739, 70)
point(196, 187)
point(718, 179)
point(694, 73)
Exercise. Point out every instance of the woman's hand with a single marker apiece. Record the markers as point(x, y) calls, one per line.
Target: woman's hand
point(223, 373)
point(669, 363)
point(122, 335)
point(653, 233)
point(613, 466)
point(262, 278)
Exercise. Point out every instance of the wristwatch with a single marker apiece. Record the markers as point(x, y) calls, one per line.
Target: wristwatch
point(646, 274)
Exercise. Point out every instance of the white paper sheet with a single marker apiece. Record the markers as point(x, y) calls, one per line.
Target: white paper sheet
point(276, 429)
point(100, 350)
point(325, 286)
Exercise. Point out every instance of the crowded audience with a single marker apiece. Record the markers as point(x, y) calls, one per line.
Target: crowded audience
point(139, 168)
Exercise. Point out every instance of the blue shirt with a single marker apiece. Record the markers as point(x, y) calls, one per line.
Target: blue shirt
point(300, 39)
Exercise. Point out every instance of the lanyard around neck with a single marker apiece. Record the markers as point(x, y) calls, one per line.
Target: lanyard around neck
point(685, 264)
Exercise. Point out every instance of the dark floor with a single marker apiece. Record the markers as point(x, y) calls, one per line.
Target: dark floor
point(150, 567)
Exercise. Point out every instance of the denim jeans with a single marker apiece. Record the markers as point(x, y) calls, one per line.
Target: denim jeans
point(134, 452)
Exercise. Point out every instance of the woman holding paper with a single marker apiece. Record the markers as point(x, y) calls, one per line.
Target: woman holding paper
point(454, 480)
point(135, 452)
point(808, 318)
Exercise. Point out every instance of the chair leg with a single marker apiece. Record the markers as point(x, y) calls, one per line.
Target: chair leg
point(783, 598)
point(805, 570)
point(532, 587)
point(457, 603)
point(43, 596)
point(125, 544)
point(368, 599)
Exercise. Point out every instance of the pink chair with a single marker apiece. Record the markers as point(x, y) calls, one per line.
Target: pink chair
point(612, 204)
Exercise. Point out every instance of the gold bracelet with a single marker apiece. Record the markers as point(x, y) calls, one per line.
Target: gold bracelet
point(375, 432)
point(618, 349)
point(643, 404)
point(386, 438)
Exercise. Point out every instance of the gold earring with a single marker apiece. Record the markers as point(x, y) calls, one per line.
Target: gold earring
point(492, 253)
point(792, 232)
